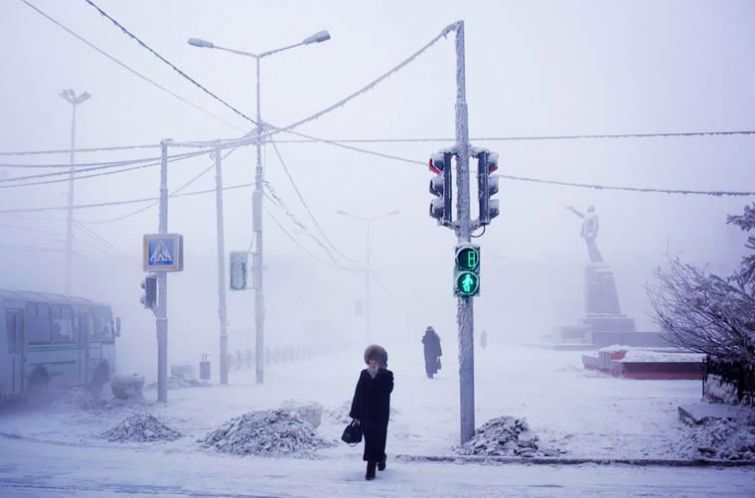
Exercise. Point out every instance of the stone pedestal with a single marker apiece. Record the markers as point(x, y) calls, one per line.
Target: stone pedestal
point(602, 309)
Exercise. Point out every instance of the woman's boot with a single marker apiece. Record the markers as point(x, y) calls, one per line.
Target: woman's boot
point(370, 471)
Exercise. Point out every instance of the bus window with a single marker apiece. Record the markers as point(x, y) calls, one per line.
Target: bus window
point(80, 328)
point(38, 323)
point(62, 323)
point(14, 324)
point(103, 324)
point(10, 329)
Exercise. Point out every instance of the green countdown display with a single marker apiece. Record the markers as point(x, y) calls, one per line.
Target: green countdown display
point(467, 271)
point(468, 258)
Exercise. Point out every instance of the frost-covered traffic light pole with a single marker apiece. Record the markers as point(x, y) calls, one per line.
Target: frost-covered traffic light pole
point(467, 256)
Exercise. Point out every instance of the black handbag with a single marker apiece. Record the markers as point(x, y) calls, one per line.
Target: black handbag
point(352, 434)
point(439, 365)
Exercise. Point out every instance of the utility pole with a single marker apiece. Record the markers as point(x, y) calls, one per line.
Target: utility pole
point(69, 96)
point(465, 312)
point(257, 196)
point(222, 313)
point(367, 277)
point(257, 278)
point(162, 306)
point(368, 265)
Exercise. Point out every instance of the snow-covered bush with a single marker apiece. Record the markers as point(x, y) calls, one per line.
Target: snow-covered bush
point(706, 313)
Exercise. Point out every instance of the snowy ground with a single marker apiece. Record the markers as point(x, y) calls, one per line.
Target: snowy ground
point(584, 413)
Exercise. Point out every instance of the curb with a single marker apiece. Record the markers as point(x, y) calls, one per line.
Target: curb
point(641, 462)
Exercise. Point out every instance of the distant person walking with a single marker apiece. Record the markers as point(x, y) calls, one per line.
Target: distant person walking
point(433, 351)
point(484, 339)
point(371, 407)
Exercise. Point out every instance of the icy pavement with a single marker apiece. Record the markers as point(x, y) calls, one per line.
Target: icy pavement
point(54, 470)
point(588, 415)
point(585, 414)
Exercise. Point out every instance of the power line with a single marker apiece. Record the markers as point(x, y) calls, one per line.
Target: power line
point(714, 193)
point(166, 61)
point(302, 247)
point(172, 194)
point(78, 151)
point(79, 176)
point(305, 120)
point(304, 203)
point(518, 138)
point(272, 196)
point(119, 203)
point(128, 68)
point(93, 166)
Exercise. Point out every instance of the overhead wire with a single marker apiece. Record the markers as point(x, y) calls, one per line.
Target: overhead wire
point(166, 61)
point(304, 203)
point(517, 138)
point(128, 68)
point(80, 150)
point(172, 194)
point(78, 176)
point(93, 166)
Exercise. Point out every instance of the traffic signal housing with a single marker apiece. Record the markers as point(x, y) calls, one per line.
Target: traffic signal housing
point(239, 272)
point(440, 186)
point(467, 271)
point(149, 292)
point(487, 163)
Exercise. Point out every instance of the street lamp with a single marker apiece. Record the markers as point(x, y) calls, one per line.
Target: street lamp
point(367, 270)
point(257, 195)
point(70, 96)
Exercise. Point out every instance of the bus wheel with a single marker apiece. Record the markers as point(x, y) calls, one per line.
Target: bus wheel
point(38, 389)
point(99, 380)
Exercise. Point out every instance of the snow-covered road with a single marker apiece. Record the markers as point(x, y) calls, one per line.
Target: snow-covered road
point(43, 469)
point(60, 451)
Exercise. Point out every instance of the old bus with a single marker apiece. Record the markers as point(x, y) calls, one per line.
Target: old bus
point(49, 341)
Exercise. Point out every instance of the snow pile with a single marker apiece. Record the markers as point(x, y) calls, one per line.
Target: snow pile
point(268, 433)
point(310, 412)
point(340, 414)
point(140, 428)
point(505, 436)
point(721, 439)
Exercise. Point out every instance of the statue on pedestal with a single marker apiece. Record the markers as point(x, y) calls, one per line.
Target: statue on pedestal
point(589, 232)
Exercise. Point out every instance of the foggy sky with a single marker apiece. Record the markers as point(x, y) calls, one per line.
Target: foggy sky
point(535, 68)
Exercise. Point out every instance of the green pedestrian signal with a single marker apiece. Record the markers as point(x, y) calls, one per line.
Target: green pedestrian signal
point(467, 271)
point(467, 284)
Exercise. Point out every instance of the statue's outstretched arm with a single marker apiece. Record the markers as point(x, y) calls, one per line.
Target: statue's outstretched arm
point(575, 211)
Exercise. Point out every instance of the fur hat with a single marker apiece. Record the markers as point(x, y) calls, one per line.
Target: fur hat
point(375, 352)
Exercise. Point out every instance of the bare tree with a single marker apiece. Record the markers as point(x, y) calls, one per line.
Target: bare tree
point(706, 313)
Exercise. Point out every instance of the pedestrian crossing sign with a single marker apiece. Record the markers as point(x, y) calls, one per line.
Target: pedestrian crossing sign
point(163, 252)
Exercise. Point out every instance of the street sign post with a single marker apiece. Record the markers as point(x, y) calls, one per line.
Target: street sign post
point(163, 252)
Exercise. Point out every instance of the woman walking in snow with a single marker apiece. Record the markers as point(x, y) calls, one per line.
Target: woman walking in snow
point(371, 407)
point(432, 350)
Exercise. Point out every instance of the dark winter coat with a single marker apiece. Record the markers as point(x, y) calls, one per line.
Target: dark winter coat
point(372, 406)
point(431, 341)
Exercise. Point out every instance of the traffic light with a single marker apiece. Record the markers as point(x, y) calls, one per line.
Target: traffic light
point(467, 271)
point(149, 292)
point(238, 270)
point(440, 186)
point(487, 163)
